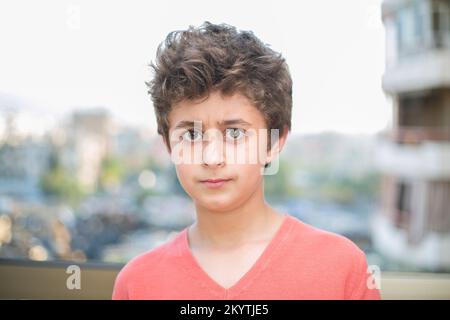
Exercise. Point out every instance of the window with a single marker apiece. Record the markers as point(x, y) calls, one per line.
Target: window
point(403, 204)
point(441, 23)
point(411, 28)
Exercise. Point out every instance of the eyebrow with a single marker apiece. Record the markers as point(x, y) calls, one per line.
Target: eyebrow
point(190, 124)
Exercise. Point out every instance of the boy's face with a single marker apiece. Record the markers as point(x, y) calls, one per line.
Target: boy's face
point(219, 147)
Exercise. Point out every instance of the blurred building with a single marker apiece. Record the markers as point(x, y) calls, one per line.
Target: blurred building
point(413, 225)
point(87, 140)
point(22, 159)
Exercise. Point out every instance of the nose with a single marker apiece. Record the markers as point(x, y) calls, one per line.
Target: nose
point(213, 153)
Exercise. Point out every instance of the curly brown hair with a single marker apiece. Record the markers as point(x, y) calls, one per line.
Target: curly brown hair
point(192, 63)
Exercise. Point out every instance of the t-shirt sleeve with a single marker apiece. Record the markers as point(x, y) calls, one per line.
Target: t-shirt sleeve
point(361, 283)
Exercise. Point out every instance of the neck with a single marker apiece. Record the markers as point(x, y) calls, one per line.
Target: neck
point(252, 221)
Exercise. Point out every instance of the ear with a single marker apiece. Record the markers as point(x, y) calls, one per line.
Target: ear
point(278, 145)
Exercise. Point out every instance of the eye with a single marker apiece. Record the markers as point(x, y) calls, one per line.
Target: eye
point(191, 135)
point(234, 133)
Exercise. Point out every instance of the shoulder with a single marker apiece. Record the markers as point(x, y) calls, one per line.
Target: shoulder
point(335, 258)
point(146, 264)
point(325, 244)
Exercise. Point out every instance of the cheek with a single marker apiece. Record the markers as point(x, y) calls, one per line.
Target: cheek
point(186, 154)
point(251, 151)
point(249, 175)
point(185, 174)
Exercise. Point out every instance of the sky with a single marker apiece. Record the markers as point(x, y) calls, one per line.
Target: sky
point(60, 55)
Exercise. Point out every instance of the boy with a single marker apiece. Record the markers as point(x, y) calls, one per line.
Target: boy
point(215, 90)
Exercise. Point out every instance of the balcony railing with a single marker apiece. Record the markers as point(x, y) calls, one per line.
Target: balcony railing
point(418, 72)
point(416, 156)
point(416, 135)
point(23, 279)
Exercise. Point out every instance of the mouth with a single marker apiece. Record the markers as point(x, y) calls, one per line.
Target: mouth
point(214, 183)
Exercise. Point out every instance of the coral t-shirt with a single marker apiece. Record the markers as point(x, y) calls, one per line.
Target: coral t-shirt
point(299, 262)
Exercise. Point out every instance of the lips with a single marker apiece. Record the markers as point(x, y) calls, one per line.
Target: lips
point(215, 183)
point(215, 180)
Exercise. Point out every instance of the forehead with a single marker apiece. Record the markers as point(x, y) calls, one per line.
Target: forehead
point(215, 109)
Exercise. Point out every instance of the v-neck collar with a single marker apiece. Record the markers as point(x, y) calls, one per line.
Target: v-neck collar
point(204, 279)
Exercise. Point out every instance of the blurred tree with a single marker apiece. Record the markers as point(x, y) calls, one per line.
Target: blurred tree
point(111, 173)
point(57, 182)
point(278, 186)
point(347, 188)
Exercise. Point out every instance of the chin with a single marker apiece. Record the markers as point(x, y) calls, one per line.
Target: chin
point(219, 205)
